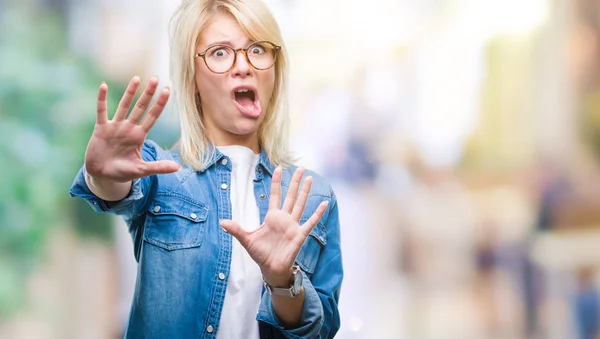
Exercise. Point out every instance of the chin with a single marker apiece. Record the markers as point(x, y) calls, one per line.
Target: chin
point(244, 129)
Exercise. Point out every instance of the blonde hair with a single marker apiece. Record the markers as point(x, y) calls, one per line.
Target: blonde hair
point(188, 21)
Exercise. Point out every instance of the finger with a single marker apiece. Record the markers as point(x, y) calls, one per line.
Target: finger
point(308, 226)
point(144, 101)
point(127, 99)
point(155, 110)
point(275, 199)
point(302, 197)
point(235, 230)
point(290, 198)
point(159, 167)
point(101, 117)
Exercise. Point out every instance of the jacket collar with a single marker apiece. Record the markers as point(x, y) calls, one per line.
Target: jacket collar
point(264, 162)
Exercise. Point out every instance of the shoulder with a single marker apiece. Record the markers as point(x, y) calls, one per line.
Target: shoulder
point(151, 151)
point(320, 186)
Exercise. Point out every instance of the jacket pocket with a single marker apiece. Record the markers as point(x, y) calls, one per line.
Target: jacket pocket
point(311, 250)
point(175, 221)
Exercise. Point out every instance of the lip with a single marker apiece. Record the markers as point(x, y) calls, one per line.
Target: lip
point(248, 87)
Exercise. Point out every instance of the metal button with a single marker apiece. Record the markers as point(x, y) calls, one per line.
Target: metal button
point(224, 162)
point(224, 186)
point(193, 216)
point(222, 276)
point(262, 196)
point(209, 329)
point(156, 209)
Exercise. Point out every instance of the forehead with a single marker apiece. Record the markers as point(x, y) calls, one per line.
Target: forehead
point(223, 27)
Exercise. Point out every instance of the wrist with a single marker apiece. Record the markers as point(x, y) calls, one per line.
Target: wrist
point(107, 189)
point(290, 287)
point(278, 280)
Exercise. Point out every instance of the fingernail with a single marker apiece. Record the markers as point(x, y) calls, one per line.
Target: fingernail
point(135, 78)
point(103, 82)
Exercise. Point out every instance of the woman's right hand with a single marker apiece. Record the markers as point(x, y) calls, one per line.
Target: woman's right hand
point(113, 153)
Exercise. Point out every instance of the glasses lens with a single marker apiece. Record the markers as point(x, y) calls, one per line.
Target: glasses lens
point(262, 55)
point(219, 58)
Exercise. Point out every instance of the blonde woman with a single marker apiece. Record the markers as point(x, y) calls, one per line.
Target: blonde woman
point(232, 240)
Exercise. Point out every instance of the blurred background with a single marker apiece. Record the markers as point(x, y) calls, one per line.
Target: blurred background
point(461, 138)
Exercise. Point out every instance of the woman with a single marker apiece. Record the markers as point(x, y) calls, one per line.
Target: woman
point(231, 241)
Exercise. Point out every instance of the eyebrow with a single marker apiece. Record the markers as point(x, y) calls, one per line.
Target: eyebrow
point(227, 42)
point(221, 42)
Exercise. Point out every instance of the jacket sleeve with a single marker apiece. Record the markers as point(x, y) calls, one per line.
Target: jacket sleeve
point(130, 206)
point(320, 315)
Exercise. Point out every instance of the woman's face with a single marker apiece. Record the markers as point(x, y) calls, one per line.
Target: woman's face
point(233, 103)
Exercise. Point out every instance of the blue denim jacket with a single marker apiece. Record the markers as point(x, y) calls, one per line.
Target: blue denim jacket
point(182, 250)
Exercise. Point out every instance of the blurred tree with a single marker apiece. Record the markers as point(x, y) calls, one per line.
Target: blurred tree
point(47, 113)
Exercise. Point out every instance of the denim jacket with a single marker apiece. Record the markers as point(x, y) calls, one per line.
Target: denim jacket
point(184, 255)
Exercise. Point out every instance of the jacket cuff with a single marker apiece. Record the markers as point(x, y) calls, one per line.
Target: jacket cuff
point(311, 319)
point(79, 188)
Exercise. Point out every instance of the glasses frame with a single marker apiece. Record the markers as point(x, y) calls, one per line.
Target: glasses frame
point(235, 54)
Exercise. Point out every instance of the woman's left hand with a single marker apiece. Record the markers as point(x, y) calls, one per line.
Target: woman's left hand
point(276, 243)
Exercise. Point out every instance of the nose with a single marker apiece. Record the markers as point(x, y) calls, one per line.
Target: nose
point(241, 68)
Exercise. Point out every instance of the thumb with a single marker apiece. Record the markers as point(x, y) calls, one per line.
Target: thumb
point(160, 167)
point(234, 229)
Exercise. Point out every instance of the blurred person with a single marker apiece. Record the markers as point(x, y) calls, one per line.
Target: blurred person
point(533, 287)
point(232, 240)
point(486, 280)
point(586, 305)
point(553, 189)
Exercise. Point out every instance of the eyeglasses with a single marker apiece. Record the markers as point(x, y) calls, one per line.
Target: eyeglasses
point(220, 59)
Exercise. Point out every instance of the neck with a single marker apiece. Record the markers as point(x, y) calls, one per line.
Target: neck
point(250, 141)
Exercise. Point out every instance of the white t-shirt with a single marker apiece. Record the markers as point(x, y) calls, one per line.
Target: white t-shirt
point(242, 298)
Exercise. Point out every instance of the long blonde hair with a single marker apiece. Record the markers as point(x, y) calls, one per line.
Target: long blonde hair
point(188, 21)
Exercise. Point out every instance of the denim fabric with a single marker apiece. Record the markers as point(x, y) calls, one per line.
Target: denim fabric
point(180, 248)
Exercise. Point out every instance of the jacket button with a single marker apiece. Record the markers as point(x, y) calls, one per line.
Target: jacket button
point(209, 329)
point(262, 196)
point(224, 162)
point(222, 276)
point(193, 216)
point(156, 209)
point(224, 186)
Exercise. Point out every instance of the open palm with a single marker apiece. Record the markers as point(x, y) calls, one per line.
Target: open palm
point(114, 150)
point(276, 243)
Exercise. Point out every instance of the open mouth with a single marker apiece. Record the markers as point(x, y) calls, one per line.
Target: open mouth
point(246, 100)
point(245, 97)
